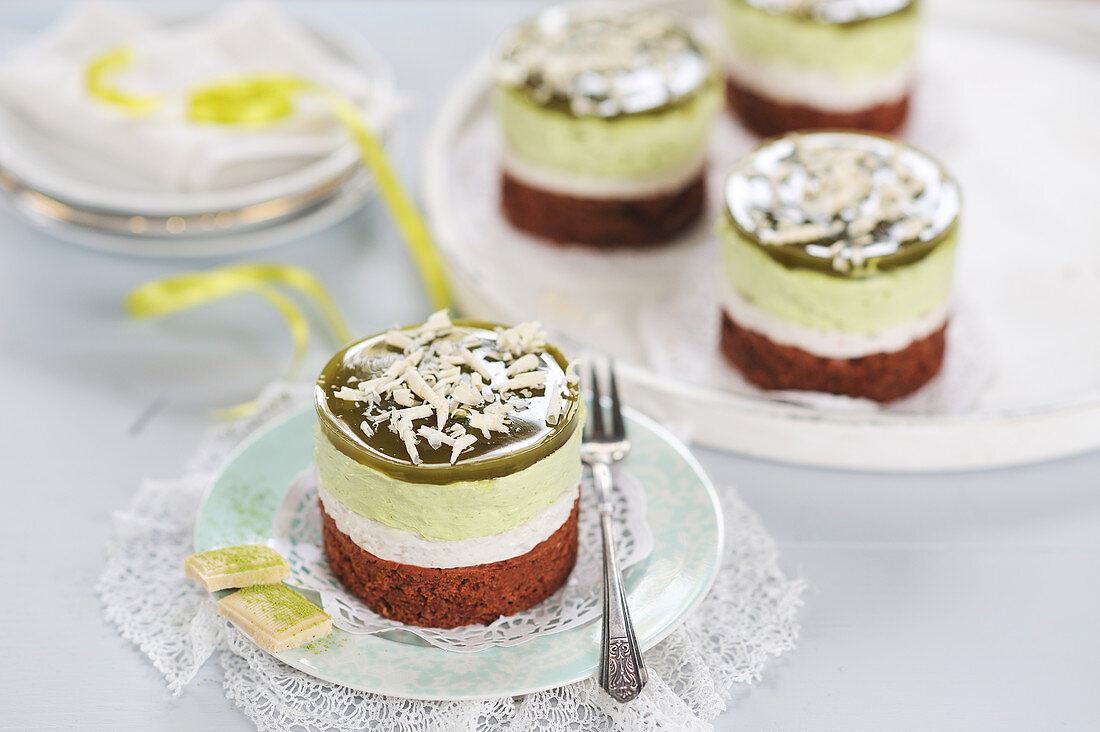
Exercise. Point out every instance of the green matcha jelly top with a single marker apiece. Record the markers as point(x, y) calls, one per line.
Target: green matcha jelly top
point(843, 203)
point(445, 402)
point(601, 62)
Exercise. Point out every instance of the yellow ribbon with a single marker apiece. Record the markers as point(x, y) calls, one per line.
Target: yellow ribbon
point(98, 80)
point(261, 100)
point(180, 292)
point(255, 101)
point(413, 227)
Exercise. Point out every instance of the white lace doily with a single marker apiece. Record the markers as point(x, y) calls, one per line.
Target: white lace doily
point(298, 538)
point(749, 617)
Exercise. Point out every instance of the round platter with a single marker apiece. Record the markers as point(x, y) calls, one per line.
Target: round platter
point(1005, 97)
point(73, 196)
point(241, 504)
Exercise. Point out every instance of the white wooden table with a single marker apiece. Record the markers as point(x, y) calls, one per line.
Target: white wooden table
point(946, 602)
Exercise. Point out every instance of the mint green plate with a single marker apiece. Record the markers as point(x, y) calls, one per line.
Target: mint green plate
point(683, 514)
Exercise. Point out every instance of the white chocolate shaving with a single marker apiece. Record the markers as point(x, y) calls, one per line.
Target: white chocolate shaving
point(438, 322)
point(527, 362)
point(435, 437)
point(398, 339)
point(571, 376)
point(488, 422)
point(421, 388)
point(349, 395)
point(418, 412)
point(461, 443)
point(803, 232)
point(404, 397)
point(554, 404)
point(524, 381)
point(464, 394)
point(475, 362)
point(410, 444)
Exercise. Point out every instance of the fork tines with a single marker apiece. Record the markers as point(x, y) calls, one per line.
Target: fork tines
point(595, 427)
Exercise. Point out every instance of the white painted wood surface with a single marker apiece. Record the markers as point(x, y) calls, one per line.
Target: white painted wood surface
point(942, 601)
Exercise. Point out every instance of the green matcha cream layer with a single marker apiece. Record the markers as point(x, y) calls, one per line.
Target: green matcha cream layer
point(450, 430)
point(600, 95)
point(849, 40)
point(840, 232)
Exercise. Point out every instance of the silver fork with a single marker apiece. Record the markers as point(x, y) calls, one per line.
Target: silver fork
point(622, 670)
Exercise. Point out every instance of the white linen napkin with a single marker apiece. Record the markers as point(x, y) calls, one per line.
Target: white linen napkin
point(44, 80)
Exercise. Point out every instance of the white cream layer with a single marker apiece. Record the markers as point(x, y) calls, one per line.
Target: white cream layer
point(567, 184)
point(407, 547)
point(819, 89)
point(831, 343)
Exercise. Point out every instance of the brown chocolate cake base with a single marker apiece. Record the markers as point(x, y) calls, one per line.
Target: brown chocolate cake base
point(602, 222)
point(448, 598)
point(882, 377)
point(767, 117)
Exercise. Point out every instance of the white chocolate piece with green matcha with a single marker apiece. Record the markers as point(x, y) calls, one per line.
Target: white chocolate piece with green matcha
point(236, 566)
point(275, 616)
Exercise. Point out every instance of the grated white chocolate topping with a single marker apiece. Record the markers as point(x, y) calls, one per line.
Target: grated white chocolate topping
point(602, 61)
point(832, 11)
point(845, 197)
point(440, 386)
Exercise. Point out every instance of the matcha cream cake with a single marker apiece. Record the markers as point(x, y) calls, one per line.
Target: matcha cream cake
point(449, 456)
point(800, 64)
point(837, 257)
point(604, 113)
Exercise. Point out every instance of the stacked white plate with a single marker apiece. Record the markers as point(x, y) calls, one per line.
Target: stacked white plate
point(75, 196)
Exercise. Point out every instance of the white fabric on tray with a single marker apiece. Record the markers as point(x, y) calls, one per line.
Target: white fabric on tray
point(44, 81)
point(749, 617)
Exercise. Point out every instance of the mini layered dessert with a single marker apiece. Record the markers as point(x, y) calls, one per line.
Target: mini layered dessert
point(838, 250)
point(800, 64)
point(605, 115)
point(449, 456)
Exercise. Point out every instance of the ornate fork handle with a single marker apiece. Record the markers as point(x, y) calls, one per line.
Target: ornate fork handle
point(622, 671)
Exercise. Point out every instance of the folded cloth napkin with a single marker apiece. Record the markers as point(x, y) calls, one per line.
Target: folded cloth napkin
point(44, 81)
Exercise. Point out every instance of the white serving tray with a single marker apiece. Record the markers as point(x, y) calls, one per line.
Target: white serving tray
point(1008, 98)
